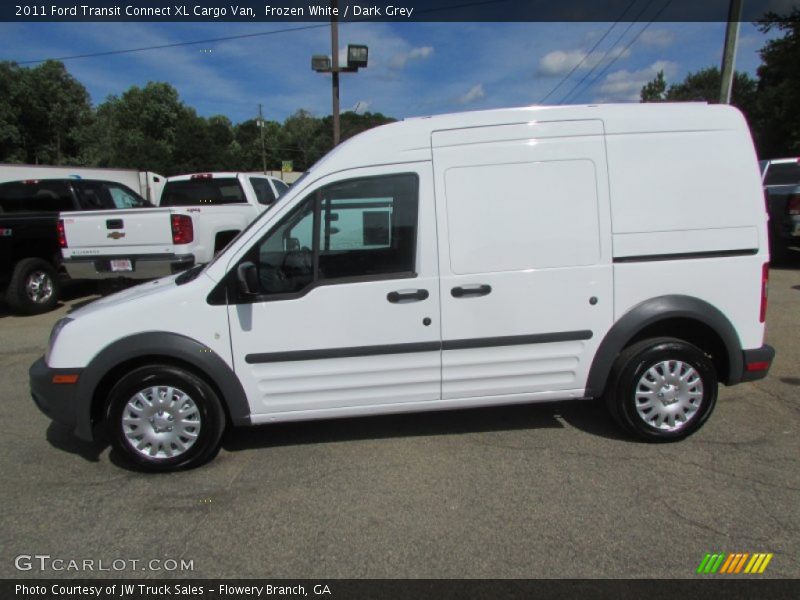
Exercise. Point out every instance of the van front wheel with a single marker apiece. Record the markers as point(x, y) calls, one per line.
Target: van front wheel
point(164, 418)
point(662, 389)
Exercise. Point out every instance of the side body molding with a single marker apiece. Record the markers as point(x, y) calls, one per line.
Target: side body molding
point(160, 344)
point(650, 312)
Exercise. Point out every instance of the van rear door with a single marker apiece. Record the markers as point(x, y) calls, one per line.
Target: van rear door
point(524, 259)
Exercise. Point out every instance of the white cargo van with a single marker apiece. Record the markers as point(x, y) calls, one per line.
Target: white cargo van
point(474, 259)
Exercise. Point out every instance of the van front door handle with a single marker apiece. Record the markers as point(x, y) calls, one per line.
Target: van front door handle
point(406, 296)
point(471, 290)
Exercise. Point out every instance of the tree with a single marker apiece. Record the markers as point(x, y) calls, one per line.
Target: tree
point(306, 139)
point(138, 130)
point(655, 90)
point(779, 88)
point(43, 112)
point(703, 86)
point(11, 149)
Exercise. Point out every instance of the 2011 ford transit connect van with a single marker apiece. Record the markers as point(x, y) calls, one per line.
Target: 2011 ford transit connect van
point(474, 259)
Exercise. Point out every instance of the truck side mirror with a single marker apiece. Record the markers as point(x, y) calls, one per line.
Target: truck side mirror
point(247, 277)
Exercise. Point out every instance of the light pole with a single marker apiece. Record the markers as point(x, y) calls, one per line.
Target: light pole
point(357, 55)
point(727, 71)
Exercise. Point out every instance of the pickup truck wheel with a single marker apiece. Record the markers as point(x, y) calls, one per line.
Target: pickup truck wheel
point(662, 389)
point(164, 418)
point(34, 287)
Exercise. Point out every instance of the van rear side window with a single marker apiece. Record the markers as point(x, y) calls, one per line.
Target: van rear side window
point(196, 192)
point(546, 217)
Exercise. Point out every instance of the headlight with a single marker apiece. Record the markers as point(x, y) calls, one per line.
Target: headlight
point(60, 324)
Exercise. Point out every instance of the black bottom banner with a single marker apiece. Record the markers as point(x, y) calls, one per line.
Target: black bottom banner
point(399, 589)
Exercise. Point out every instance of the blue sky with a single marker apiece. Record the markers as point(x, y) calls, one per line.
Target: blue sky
point(414, 68)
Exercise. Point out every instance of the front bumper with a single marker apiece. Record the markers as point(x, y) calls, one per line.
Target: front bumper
point(145, 266)
point(757, 362)
point(56, 400)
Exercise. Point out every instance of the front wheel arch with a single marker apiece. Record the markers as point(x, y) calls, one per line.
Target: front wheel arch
point(167, 348)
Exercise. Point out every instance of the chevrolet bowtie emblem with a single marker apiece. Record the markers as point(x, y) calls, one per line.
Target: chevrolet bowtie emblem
point(115, 235)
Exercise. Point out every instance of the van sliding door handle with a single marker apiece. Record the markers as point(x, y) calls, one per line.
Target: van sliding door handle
point(406, 296)
point(471, 290)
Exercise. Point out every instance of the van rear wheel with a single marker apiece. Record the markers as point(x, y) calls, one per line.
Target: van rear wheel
point(662, 389)
point(164, 418)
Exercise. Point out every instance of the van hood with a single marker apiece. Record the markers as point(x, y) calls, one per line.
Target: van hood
point(133, 294)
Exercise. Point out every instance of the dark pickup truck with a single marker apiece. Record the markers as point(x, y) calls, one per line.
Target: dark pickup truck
point(781, 180)
point(30, 253)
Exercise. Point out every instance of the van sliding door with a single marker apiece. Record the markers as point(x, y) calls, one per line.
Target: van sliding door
point(525, 257)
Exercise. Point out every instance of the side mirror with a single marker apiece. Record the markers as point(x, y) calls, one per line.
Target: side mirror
point(247, 277)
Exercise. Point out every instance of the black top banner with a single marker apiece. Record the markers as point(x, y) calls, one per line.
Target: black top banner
point(394, 11)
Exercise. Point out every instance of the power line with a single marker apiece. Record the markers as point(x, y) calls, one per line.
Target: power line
point(588, 54)
point(599, 62)
point(177, 44)
point(624, 50)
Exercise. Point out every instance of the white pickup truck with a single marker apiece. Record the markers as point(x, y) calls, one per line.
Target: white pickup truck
point(197, 215)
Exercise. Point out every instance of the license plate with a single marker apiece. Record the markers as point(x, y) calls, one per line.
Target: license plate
point(121, 265)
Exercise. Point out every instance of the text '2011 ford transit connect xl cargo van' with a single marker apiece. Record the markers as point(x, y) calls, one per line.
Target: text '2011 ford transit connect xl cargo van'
point(462, 260)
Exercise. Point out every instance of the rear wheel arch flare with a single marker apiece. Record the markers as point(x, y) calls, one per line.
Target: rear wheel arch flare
point(685, 317)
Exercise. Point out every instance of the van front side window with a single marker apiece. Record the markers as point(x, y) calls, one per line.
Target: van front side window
point(354, 229)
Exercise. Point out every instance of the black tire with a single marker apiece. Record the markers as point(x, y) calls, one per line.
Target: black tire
point(631, 376)
point(161, 455)
point(34, 287)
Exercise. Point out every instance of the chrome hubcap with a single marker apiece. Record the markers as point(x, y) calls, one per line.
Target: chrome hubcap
point(161, 422)
point(669, 394)
point(39, 287)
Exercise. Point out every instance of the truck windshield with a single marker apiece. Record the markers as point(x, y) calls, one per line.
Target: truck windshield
point(783, 174)
point(36, 196)
point(202, 191)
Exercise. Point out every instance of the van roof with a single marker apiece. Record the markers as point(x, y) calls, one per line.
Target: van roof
point(410, 140)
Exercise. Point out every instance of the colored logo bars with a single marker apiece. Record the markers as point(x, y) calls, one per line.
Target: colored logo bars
point(734, 563)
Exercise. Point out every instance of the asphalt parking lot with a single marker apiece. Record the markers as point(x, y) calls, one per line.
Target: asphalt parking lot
point(549, 490)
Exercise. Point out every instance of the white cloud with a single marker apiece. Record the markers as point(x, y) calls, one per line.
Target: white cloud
point(560, 62)
point(475, 93)
point(361, 106)
point(399, 60)
point(659, 38)
point(625, 86)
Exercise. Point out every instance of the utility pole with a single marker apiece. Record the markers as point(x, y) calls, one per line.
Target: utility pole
point(263, 149)
point(357, 57)
point(729, 52)
point(335, 68)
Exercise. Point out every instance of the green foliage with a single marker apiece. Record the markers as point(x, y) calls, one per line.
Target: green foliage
point(703, 86)
point(778, 121)
point(43, 111)
point(46, 117)
point(655, 90)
